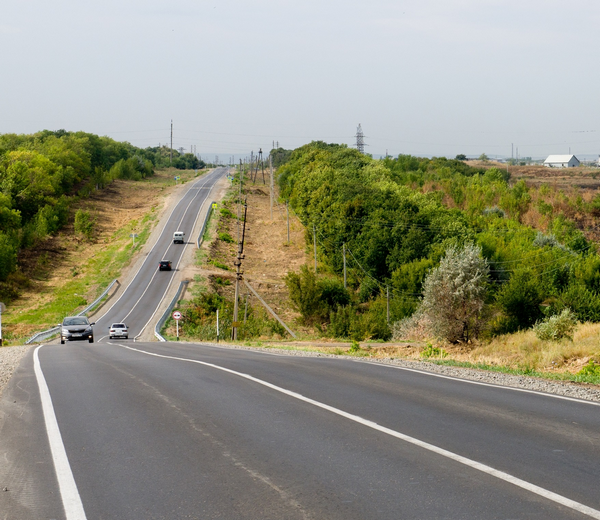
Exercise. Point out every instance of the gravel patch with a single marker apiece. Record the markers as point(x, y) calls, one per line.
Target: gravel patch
point(10, 357)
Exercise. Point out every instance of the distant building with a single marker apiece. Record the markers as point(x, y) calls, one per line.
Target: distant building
point(561, 161)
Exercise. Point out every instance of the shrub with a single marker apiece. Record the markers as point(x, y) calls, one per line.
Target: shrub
point(585, 304)
point(430, 351)
point(550, 240)
point(84, 224)
point(591, 369)
point(494, 211)
point(305, 294)
point(520, 299)
point(557, 327)
point(220, 265)
point(226, 237)
point(454, 294)
point(333, 292)
point(226, 213)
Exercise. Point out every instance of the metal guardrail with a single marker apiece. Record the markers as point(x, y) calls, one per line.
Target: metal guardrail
point(51, 332)
point(159, 325)
point(206, 219)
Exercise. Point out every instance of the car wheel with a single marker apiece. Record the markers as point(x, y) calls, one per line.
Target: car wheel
point(91, 340)
point(126, 337)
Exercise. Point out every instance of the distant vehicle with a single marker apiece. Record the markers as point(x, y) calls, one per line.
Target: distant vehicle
point(164, 265)
point(76, 328)
point(118, 330)
point(178, 237)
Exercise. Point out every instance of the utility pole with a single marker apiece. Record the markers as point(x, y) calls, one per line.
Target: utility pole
point(315, 246)
point(171, 153)
point(388, 303)
point(287, 212)
point(271, 182)
point(238, 277)
point(344, 256)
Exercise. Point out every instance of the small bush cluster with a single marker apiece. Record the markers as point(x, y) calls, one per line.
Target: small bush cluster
point(226, 237)
point(84, 224)
point(557, 327)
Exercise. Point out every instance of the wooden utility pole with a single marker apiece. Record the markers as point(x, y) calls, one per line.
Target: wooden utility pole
point(271, 170)
point(315, 246)
point(287, 212)
point(171, 153)
point(344, 256)
point(388, 303)
point(238, 277)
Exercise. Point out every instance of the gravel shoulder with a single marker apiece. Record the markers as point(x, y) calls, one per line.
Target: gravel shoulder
point(10, 357)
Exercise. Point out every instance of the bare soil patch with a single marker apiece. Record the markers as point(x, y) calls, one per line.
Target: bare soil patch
point(268, 256)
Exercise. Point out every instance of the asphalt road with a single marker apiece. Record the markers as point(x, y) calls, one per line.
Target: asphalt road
point(169, 430)
point(129, 430)
point(139, 301)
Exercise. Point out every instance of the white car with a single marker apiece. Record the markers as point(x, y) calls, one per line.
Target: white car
point(118, 330)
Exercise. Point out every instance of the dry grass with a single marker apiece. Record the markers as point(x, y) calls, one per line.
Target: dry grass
point(523, 350)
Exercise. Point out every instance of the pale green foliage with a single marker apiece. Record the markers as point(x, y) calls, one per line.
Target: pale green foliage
point(453, 296)
point(433, 352)
point(557, 327)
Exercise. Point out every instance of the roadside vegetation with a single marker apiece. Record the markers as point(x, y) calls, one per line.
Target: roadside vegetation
point(466, 256)
point(52, 186)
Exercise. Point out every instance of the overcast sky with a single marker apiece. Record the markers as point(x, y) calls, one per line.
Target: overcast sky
point(422, 77)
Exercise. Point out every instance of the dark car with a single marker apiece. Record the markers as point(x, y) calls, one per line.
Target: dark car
point(164, 265)
point(118, 330)
point(76, 328)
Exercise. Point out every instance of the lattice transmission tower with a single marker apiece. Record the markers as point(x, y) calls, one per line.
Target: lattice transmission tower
point(360, 139)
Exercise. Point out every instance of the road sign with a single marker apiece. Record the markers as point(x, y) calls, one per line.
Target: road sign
point(177, 315)
point(214, 205)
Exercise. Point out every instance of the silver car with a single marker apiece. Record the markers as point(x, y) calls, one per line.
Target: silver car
point(76, 328)
point(118, 330)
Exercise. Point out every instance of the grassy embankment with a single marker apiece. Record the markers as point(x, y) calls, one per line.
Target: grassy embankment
point(91, 265)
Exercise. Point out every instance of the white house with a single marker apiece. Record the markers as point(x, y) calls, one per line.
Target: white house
point(561, 161)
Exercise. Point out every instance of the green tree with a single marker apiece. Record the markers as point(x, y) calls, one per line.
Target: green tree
point(454, 294)
point(520, 299)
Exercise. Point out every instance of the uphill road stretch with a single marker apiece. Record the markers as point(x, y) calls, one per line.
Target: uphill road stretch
point(138, 303)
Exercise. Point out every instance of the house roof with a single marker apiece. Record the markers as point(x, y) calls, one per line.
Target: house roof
point(560, 158)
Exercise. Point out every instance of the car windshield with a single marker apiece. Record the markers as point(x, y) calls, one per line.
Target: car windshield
point(77, 320)
point(118, 326)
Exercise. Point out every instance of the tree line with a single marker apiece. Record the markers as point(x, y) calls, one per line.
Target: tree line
point(42, 173)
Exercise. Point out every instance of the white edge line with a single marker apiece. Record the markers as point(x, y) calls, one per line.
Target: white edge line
point(66, 483)
point(418, 371)
point(523, 484)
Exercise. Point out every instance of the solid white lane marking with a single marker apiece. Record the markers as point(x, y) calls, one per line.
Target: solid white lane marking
point(66, 483)
point(523, 484)
point(422, 372)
